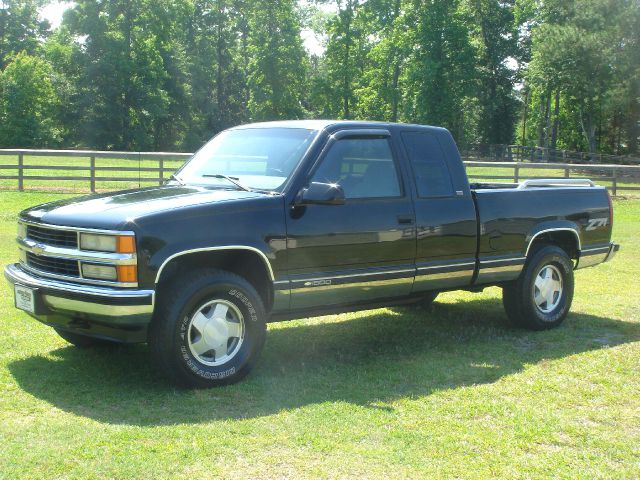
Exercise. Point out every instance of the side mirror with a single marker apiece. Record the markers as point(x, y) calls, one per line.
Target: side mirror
point(321, 194)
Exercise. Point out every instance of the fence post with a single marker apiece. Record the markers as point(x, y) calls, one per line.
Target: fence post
point(566, 172)
point(20, 172)
point(615, 181)
point(516, 174)
point(161, 167)
point(92, 173)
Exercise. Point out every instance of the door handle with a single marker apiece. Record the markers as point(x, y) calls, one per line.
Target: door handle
point(405, 219)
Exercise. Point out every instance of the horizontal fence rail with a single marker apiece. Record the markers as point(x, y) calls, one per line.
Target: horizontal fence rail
point(520, 153)
point(88, 170)
point(616, 178)
point(99, 166)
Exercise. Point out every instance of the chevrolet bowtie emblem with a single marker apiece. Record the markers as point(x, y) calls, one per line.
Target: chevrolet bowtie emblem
point(38, 249)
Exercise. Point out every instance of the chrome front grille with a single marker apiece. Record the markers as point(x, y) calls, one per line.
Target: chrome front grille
point(52, 236)
point(57, 266)
point(54, 252)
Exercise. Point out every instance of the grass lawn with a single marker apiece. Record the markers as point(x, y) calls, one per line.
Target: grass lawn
point(448, 391)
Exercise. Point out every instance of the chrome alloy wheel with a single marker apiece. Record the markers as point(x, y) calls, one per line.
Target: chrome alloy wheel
point(547, 290)
point(215, 332)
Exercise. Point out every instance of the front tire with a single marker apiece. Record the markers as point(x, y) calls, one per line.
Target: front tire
point(208, 329)
point(541, 298)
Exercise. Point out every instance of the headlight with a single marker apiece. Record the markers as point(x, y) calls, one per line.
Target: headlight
point(107, 243)
point(99, 272)
point(113, 273)
point(99, 243)
point(22, 230)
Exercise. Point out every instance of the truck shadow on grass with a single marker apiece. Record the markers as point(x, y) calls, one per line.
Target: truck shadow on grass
point(368, 359)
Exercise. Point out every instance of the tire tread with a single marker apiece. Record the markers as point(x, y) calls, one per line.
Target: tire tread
point(161, 330)
point(516, 296)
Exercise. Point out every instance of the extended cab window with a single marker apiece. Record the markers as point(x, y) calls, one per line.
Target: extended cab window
point(429, 164)
point(364, 167)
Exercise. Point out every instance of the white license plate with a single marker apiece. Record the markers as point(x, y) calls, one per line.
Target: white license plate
point(25, 298)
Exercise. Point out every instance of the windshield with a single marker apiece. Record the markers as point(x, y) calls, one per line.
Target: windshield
point(258, 158)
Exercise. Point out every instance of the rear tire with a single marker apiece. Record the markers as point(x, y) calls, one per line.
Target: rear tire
point(541, 298)
point(208, 329)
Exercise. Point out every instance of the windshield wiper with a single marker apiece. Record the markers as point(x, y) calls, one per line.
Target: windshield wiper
point(173, 176)
point(233, 180)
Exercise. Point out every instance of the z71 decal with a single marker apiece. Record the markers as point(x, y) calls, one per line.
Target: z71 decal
point(594, 223)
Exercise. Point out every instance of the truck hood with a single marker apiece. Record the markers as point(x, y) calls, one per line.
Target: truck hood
point(121, 209)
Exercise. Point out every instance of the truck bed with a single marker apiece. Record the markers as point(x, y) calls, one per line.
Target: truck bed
point(534, 183)
point(512, 215)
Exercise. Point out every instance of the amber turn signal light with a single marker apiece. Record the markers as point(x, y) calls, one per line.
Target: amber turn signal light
point(125, 244)
point(127, 273)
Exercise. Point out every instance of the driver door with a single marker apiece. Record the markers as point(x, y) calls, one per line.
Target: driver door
point(363, 249)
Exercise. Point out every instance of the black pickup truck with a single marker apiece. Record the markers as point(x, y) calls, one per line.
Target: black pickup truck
point(286, 220)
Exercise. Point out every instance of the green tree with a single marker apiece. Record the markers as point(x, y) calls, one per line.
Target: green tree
point(63, 54)
point(345, 58)
point(625, 96)
point(585, 67)
point(20, 28)
point(381, 93)
point(277, 65)
point(495, 38)
point(215, 69)
point(441, 68)
point(28, 101)
point(124, 77)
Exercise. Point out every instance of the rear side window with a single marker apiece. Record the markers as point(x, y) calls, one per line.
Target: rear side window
point(429, 165)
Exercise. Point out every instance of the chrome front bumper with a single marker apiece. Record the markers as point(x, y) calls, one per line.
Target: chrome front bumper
point(115, 313)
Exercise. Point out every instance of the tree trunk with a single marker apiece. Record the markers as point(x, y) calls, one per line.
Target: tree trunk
point(3, 35)
point(524, 115)
point(220, 88)
point(395, 96)
point(588, 126)
point(543, 125)
point(244, 49)
point(547, 120)
point(634, 117)
point(556, 121)
point(127, 94)
point(346, 80)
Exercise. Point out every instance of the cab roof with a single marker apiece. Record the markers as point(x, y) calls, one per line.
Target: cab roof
point(330, 125)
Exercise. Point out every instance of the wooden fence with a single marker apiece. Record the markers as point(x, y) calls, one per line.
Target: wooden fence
point(519, 153)
point(99, 166)
point(617, 178)
point(85, 170)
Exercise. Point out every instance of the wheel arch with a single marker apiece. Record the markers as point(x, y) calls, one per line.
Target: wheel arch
point(246, 261)
point(565, 236)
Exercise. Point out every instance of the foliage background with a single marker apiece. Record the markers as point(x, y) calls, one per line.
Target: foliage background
point(169, 74)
